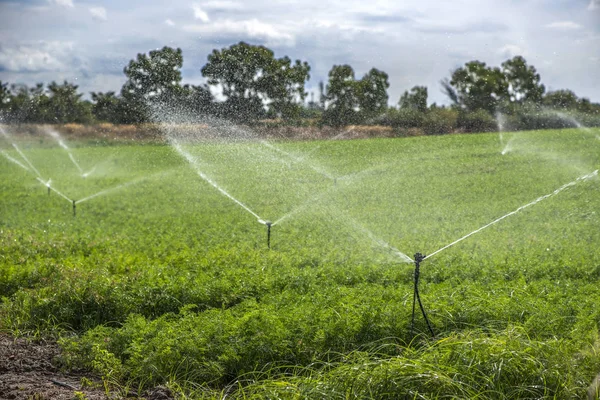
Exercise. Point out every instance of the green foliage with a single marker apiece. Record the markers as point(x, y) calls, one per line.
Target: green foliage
point(479, 87)
point(523, 81)
point(151, 78)
point(372, 95)
point(167, 282)
point(439, 121)
point(416, 99)
point(348, 101)
point(477, 121)
point(252, 79)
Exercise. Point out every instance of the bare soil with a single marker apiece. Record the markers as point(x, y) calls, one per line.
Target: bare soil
point(29, 371)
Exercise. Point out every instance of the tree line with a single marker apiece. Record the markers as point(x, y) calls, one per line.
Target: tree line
point(247, 83)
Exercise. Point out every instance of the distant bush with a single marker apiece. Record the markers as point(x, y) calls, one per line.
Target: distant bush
point(476, 121)
point(440, 121)
point(405, 118)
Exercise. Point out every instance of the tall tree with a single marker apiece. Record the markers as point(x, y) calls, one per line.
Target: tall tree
point(5, 96)
point(561, 99)
point(523, 81)
point(64, 104)
point(106, 107)
point(342, 102)
point(252, 80)
point(416, 99)
point(372, 94)
point(478, 87)
point(151, 78)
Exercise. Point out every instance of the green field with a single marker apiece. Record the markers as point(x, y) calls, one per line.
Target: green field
point(168, 281)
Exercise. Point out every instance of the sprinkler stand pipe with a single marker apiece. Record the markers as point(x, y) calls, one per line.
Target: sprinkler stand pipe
point(268, 224)
point(416, 297)
point(74, 208)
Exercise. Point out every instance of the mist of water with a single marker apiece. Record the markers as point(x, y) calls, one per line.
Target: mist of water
point(19, 151)
point(121, 186)
point(48, 185)
point(378, 241)
point(9, 158)
point(298, 159)
point(557, 191)
point(54, 134)
point(194, 163)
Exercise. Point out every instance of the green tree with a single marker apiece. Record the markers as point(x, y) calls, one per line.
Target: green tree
point(416, 99)
point(252, 80)
point(106, 107)
point(342, 102)
point(561, 99)
point(523, 81)
point(371, 93)
point(5, 97)
point(151, 78)
point(28, 104)
point(477, 87)
point(64, 104)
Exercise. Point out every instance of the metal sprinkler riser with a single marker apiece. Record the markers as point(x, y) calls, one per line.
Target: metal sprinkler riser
point(74, 208)
point(268, 224)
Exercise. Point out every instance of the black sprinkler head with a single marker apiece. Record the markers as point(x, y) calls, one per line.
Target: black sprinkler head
point(419, 257)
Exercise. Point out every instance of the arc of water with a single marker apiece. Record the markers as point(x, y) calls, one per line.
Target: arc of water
point(557, 191)
point(47, 184)
point(121, 186)
point(19, 151)
point(192, 161)
point(339, 135)
point(26, 159)
point(380, 241)
point(298, 159)
point(62, 144)
point(9, 158)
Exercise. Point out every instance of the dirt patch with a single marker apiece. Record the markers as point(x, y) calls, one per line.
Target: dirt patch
point(29, 371)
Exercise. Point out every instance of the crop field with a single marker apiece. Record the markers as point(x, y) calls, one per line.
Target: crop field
point(163, 276)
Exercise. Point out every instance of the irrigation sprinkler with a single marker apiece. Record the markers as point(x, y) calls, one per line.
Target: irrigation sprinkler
point(74, 208)
point(416, 297)
point(418, 258)
point(268, 224)
point(48, 190)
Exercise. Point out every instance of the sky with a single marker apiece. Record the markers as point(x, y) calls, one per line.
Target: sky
point(416, 42)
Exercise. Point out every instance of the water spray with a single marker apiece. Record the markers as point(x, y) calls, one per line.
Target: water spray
point(416, 297)
point(418, 257)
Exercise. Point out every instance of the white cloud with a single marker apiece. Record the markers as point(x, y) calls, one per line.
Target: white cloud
point(63, 3)
point(564, 25)
point(594, 5)
point(169, 22)
point(223, 5)
point(34, 57)
point(511, 50)
point(252, 28)
point(199, 13)
point(98, 13)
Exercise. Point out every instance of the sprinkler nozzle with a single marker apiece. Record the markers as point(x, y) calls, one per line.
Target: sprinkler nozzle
point(74, 208)
point(419, 257)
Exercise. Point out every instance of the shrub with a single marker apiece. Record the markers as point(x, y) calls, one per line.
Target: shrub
point(477, 121)
point(440, 121)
